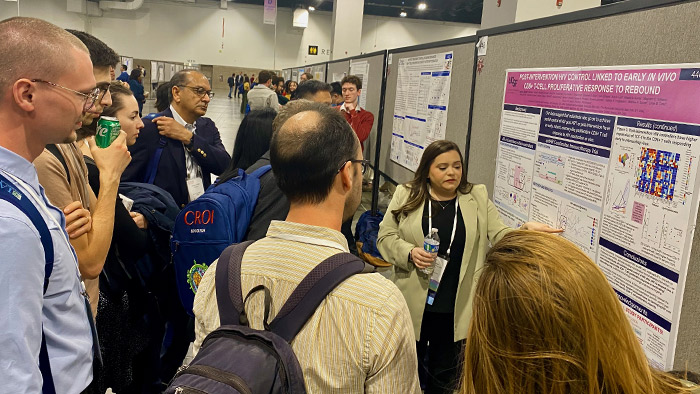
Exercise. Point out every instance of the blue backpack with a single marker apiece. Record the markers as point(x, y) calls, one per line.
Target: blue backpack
point(208, 225)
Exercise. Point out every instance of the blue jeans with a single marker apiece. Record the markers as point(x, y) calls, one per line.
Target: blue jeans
point(230, 91)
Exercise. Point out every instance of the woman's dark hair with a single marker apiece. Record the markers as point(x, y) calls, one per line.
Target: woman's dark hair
point(293, 94)
point(135, 74)
point(252, 141)
point(418, 187)
point(163, 96)
point(119, 92)
point(336, 88)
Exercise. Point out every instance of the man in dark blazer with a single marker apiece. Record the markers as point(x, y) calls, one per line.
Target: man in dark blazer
point(192, 148)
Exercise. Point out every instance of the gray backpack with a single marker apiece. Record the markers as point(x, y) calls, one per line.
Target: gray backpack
point(236, 359)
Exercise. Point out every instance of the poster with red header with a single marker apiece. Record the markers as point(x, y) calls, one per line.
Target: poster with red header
point(610, 154)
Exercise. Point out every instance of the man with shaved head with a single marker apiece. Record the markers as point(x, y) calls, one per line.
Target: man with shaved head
point(360, 338)
point(46, 86)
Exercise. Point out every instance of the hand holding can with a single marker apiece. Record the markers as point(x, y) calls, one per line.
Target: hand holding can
point(107, 131)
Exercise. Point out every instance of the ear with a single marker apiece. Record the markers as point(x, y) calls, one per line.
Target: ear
point(346, 177)
point(175, 90)
point(24, 94)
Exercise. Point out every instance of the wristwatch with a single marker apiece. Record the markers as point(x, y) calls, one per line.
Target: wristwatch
point(190, 144)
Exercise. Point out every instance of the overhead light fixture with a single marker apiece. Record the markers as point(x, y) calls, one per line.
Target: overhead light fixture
point(312, 8)
point(403, 14)
point(422, 6)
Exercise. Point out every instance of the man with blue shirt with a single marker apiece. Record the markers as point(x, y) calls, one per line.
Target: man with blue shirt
point(44, 93)
point(124, 76)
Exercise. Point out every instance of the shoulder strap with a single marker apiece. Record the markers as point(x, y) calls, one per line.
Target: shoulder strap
point(15, 197)
point(152, 168)
point(261, 171)
point(228, 284)
point(312, 290)
point(54, 150)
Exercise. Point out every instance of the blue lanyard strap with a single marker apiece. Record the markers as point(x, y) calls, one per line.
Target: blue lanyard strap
point(14, 196)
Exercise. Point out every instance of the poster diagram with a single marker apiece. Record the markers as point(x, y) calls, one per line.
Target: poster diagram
point(610, 155)
point(550, 167)
point(420, 110)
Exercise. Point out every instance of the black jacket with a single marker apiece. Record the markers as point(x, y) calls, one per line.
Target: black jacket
point(272, 203)
point(208, 152)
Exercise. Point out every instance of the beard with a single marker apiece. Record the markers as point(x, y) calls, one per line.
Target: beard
point(70, 139)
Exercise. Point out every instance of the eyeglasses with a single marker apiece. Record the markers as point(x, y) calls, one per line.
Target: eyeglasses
point(199, 91)
point(363, 163)
point(103, 91)
point(90, 98)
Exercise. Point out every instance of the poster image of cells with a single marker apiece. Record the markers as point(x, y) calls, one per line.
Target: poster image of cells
point(656, 173)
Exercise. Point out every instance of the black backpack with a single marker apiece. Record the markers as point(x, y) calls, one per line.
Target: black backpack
point(238, 359)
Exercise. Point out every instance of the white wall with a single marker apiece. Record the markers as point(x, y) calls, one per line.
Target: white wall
point(172, 31)
point(380, 33)
point(494, 15)
point(533, 9)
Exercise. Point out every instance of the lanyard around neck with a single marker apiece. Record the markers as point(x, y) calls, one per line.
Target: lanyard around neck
point(454, 224)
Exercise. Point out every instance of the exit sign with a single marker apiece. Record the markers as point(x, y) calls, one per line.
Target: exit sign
point(313, 49)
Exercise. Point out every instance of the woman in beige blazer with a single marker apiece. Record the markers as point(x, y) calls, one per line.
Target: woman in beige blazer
point(467, 223)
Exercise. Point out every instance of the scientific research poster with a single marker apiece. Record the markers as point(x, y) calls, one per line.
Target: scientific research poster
point(420, 110)
point(611, 156)
point(361, 69)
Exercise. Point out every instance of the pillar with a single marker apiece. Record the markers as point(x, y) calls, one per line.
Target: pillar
point(346, 34)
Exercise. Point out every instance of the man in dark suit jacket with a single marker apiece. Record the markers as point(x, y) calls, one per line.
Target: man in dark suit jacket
point(192, 148)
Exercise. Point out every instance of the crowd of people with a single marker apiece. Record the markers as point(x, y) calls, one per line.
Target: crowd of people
point(90, 298)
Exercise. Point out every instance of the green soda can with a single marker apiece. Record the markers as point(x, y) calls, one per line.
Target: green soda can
point(107, 131)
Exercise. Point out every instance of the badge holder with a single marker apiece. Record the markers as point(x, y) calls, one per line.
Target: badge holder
point(195, 188)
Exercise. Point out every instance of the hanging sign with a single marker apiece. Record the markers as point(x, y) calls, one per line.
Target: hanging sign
point(270, 13)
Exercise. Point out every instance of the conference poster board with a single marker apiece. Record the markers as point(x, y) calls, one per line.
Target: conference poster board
point(610, 154)
point(360, 69)
point(422, 102)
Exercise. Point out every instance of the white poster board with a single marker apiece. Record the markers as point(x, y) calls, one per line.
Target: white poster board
point(610, 154)
point(154, 71)
point(161, 72)
point(337, 77)
point(360, 69)
point(420, 110)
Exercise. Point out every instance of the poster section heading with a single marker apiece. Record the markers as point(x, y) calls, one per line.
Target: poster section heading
point(421, 106)
point(610, 155)
point(645, 93)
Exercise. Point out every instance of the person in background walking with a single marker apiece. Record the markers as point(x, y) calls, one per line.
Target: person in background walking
point(136, 86)
point(231, 83)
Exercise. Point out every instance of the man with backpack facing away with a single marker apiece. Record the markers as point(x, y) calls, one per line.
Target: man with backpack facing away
point(359, 339)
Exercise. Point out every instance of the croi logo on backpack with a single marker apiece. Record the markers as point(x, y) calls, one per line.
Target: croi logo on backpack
point(207, 225)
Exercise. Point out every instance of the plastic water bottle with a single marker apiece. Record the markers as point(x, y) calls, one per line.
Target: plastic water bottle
point(431, 244)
